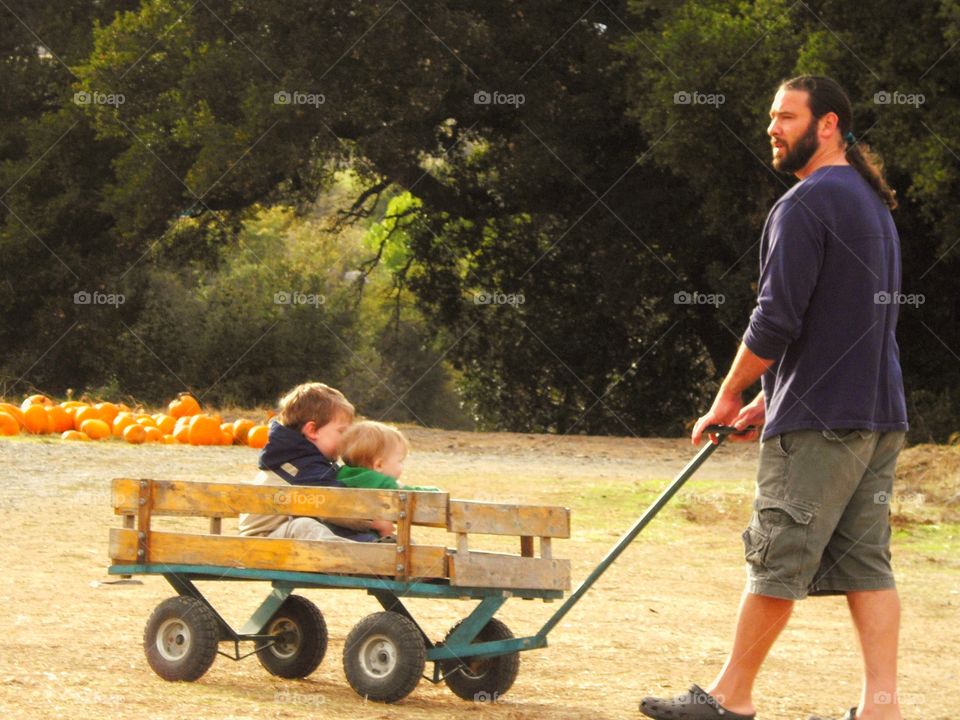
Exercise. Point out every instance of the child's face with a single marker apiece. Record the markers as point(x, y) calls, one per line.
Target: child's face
point(326, 438)
point(392, 463)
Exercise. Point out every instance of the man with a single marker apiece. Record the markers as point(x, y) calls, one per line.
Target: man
point(822, 338)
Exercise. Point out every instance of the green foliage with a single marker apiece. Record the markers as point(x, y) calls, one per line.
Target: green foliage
point(597, 199)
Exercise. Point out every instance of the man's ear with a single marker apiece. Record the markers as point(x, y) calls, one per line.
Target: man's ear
point(309, 429)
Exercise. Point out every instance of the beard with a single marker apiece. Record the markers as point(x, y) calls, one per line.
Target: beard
point(794, 158)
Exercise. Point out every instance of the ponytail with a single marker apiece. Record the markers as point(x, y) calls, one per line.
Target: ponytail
point(870, 166)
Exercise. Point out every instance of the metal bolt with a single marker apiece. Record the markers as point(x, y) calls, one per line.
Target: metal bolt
point(142, 535)
point(143, 501)
point(399, 568)
point(140, 552)
point(143, 483)
point(400, 548)
point(403, 496)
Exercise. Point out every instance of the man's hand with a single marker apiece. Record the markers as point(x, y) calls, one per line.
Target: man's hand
point(725, 409)
point(753, 414)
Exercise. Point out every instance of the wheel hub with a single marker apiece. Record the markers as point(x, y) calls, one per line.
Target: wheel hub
point(173, 639)
point(378, 656)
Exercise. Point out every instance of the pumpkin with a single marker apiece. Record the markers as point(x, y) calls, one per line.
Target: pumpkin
point(108, 412)
point(240, 429)
point(135, 433)
point(165, 422)
point(146, 420)
point(205, 430)
point(73, 435)
point(95, 428)
point(8, 424)
point(186, 405)
point(36, 400)
point(13, 411)
point(60, 420)
point(181, 431)
point(87, 412)
point(122, 422)
point(154, 434)
point(257, 437)
point(35, 419)
point(169, 440)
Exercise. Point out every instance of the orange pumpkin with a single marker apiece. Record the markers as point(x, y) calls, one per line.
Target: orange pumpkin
point(60, 420)
point(169, 440)
point(122, 422)
point(146, 420)
point(181, 430)
point(154, 434)
point(240, 429)
point(204, 430)
point(257, 437)
point(108, 412)
point(8, 424)
point(135, 433)
point(87, 412)
point(35, 419)
point(13, 411)
point(35, 400)
point(165, 422)
point(73, 435)
point(186, 405)
point(95, 428)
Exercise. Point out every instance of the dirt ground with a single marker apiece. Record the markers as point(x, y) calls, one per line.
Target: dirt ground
point(661, 617)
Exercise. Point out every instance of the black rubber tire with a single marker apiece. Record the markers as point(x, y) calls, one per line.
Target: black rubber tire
point(302, 643)
point(483, 679)
point(181, 638)
point(384, 657)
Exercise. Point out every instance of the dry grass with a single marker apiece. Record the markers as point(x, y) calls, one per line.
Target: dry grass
point(659, 619)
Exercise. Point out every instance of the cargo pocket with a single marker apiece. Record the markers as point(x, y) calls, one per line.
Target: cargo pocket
point(776, 538)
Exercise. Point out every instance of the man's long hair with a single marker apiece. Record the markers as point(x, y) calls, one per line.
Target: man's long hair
point(826, 95)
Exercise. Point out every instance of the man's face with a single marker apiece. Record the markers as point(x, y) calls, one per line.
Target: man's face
point(792, 130)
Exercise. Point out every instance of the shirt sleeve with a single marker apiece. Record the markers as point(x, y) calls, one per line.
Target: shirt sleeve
point(789, 271)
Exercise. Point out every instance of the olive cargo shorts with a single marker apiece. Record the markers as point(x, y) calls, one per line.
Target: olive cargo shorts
point(821, 516)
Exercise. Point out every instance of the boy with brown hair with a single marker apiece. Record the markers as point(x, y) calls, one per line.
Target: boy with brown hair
point(301, 449)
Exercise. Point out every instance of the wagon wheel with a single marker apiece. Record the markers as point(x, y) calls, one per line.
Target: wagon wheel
point(300, 639)
point(384, 656)
point(180, 639)
point(483, 679)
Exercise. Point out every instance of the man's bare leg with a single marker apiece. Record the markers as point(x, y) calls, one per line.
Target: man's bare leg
point(759, 623)
point(876, 617)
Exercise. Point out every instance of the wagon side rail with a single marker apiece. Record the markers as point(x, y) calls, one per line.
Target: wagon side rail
point(140, 543)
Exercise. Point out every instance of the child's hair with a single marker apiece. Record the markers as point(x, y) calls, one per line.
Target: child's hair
point(363, 443)
point(313, 401)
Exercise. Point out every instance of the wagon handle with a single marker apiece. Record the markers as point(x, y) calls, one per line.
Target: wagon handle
point(722, 431)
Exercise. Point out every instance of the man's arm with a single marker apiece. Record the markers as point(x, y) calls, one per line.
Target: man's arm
point(726, 409)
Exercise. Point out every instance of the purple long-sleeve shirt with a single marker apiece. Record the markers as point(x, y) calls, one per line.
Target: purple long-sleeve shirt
point(827, 307)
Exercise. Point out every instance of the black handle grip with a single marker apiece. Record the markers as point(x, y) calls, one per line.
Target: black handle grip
point(727, 430)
